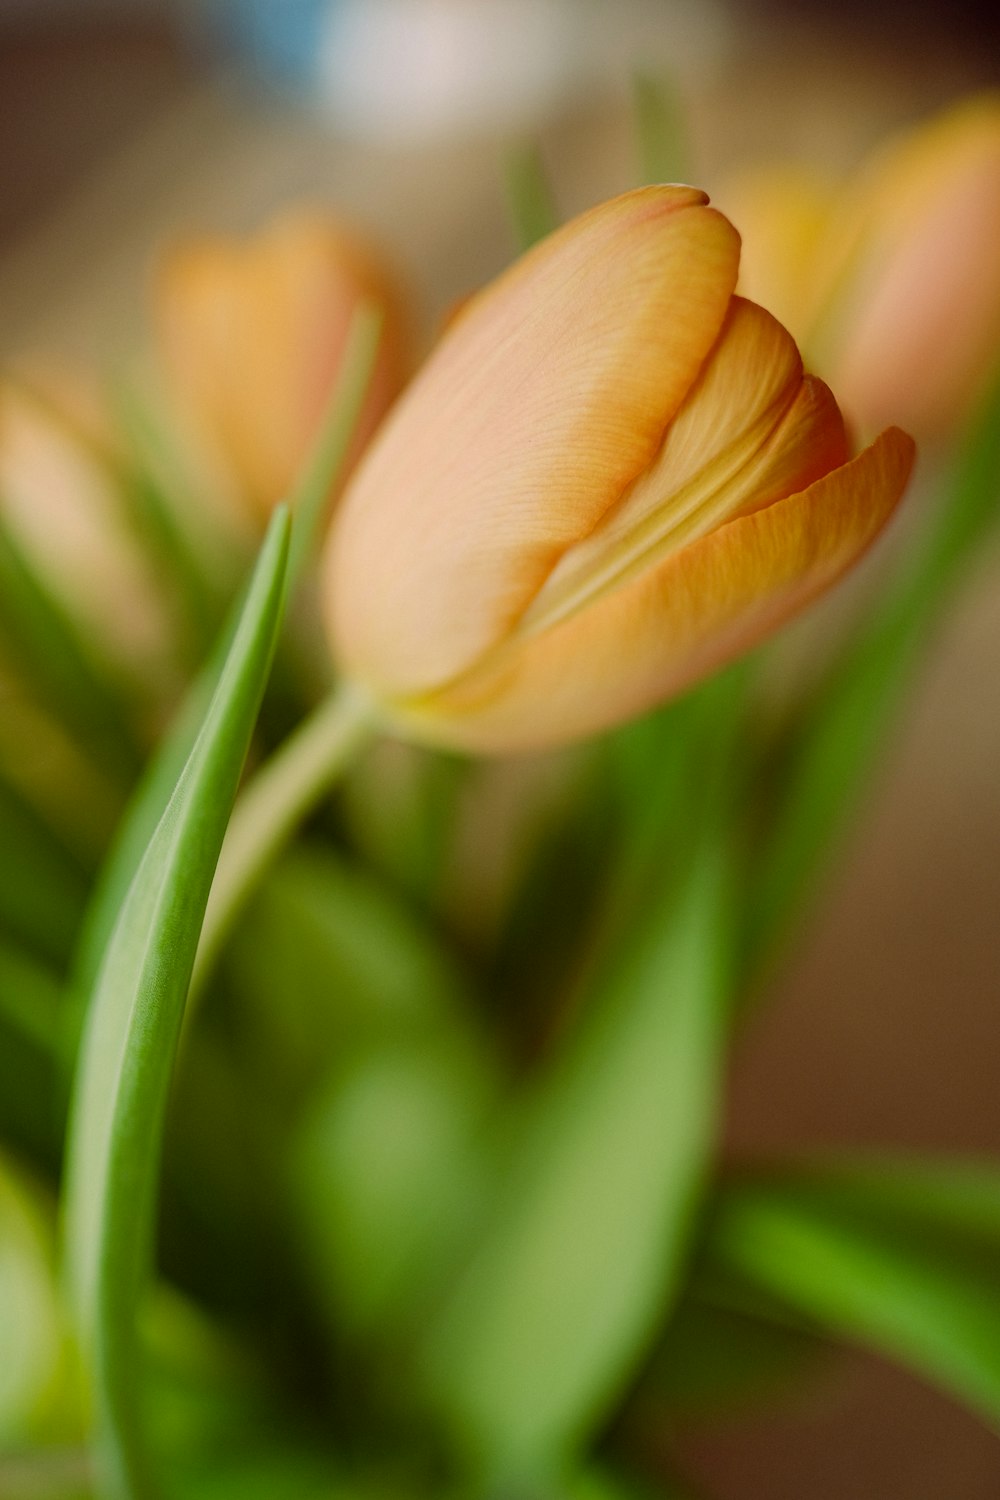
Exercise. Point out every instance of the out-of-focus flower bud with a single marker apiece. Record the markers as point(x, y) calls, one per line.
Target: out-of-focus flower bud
point(253, 335)
point(891, 283)
point(61, 499)
point(611, 477)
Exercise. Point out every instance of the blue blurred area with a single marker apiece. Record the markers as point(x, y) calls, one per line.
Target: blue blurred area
point(281, 39)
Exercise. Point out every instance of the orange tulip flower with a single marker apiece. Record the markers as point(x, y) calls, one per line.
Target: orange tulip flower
point(611, 477)
point(253, 335)
point(891, 284)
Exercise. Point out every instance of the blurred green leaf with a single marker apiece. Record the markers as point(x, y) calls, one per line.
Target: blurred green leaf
point(312, 494)
point(147, 805)
point(659, 128)
point(547, 926)
point(194, 591)
point(57, 665)
point(392, 1173)
point(46, 1473)
point(718, 1358)
point(328, 961)
point(586, 1249)
point(901, 1256)
point(363, 1026)
point(33, 1366)
point(606, 1483)
point(43, 890)
point(132, 1031)
point(529, 195)
point(843, 732)
point(31, 1098)
point(401, 804)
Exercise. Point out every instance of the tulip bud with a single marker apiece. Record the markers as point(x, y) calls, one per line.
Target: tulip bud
point(253, 335)
point(891, 284)
point(611, 477)
point(61, 499)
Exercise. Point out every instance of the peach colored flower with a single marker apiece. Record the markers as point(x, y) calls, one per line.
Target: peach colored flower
point(891, 283)
point(611, 477)
point(252, 335)
point(61, 499)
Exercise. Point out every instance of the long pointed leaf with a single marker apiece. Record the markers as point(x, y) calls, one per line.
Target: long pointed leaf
point(848, 723)
point(132, 1032)
point(902, 1257)
point(588, 1247)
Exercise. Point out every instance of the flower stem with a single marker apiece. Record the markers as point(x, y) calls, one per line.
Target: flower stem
point(310, 499)
point(275, 801)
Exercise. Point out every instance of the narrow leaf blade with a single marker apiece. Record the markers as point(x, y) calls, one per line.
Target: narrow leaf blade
point(898, 1256)
point(588, 1247)
point(132, 1031)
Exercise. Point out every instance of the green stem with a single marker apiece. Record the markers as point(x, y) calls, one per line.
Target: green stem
point(659, 129)
point(275, 801)
point(529, 196)
point(310, 499)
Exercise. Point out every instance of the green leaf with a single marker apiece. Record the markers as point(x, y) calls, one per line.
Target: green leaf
point(57, 665)
point(391, 1173)
point(373, 1053)
point(31, 1097)
point(147, 805)
point(32, 1337)
point(353, 966)
point(587, 1247)
point(605, 1483)
point(402, 805)
point(159, 520)
point(529, 196)
point(845, 727)
point(312, 493)
point(133, 1026)
point(900, 1256)
point(42, 889)
point(659, 128)
point(46, 1474)
point(716, 1358)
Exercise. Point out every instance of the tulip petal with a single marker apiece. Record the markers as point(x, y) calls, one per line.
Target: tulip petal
point(252, 334)
point(672, 625)
point(540, 407)
point(749, 432)
point(924, 299)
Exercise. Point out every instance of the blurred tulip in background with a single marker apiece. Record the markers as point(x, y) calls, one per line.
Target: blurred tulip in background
point(63, 506)
point(890, 282)
point(253, 334)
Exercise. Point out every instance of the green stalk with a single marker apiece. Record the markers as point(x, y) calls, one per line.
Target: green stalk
point(529, 196)
point(276, 800)
point(310, 498)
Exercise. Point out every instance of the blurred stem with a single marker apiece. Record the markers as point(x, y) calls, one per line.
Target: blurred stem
point(529, 196)
point(275, 801)
point(310, 496)
point(846, 727)
point(659, 129)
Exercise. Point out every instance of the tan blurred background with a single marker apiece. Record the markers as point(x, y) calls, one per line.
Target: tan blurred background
point(120, 124)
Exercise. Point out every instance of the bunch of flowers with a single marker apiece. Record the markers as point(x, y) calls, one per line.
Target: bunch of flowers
point(380, 1081)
